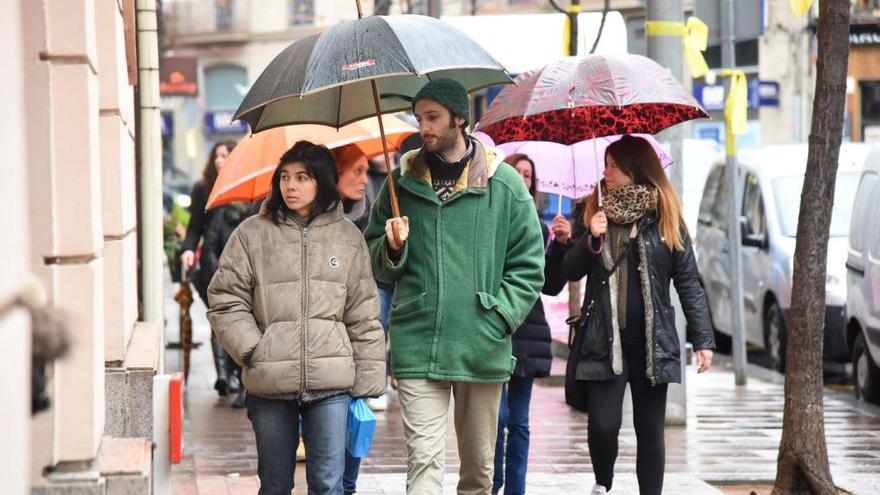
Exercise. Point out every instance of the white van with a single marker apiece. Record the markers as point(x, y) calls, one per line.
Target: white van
point(770, 180)
point(863, 282)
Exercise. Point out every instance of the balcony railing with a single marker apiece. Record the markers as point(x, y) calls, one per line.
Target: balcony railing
point(204, 17)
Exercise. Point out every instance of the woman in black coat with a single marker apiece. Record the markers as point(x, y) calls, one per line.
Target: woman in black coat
point(630, 334)
point(531, 347)
point(224, 221)
point(198, 224)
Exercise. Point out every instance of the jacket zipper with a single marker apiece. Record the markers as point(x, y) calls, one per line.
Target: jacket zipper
point(305, 306)
point(437, 320)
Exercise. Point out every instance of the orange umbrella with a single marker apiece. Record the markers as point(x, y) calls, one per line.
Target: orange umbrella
point(247, 172)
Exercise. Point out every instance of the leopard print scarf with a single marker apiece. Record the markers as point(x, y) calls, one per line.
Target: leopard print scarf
point(627, 204)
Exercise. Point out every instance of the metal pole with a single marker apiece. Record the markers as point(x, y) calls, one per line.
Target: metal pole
point(728, 61)
point(667, 51)
point(150, 161)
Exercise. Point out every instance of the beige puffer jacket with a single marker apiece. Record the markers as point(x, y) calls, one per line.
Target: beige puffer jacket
point(297, 308)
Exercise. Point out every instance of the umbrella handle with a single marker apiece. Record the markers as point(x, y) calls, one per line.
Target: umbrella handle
point(601, 245)
point(596, 251)
point(395, 207)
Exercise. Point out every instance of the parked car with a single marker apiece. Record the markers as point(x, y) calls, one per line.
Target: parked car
point(771, 180)
point(698, 157)
point(863, 282)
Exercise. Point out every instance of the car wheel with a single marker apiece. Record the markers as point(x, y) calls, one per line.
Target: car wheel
point(866, 374)
point(775, 337)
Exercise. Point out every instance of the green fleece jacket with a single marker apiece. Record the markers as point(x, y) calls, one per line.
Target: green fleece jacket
point(468, 274)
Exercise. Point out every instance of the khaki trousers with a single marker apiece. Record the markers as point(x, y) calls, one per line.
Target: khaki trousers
point(424, 405)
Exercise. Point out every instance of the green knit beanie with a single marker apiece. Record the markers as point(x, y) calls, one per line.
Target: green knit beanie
point(448, 93)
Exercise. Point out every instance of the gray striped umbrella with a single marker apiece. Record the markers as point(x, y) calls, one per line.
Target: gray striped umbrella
point(326, 78)
point(361, 68)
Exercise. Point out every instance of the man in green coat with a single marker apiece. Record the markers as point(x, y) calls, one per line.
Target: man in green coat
point(469, 269)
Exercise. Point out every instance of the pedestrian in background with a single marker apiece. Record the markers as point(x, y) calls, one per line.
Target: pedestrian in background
point(630, 334)
point(295, 305)
point(353, 183)
point(531, 348)
point(467, 269)
point(195, 232)
point(223, 222)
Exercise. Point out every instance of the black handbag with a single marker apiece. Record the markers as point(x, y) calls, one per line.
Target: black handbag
point(576, 391)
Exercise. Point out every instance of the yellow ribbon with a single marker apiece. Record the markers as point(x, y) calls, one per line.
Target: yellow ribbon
point(735, 107)
point(566, 32)
point(694, 36)
point(800, 7)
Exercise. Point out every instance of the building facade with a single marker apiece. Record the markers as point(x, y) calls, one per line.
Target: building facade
point(71, 250)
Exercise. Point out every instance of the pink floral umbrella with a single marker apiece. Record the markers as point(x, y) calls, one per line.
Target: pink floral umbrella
point(569, 170)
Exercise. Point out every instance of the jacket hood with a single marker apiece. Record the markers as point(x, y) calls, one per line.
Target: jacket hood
point(476, 174)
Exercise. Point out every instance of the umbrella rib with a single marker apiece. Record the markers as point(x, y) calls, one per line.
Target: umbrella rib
point(338, 108)
point(253, 175)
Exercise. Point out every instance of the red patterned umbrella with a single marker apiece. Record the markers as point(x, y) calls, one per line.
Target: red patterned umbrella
point(580, 98)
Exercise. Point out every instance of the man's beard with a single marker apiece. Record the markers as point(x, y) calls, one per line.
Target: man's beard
point(445, 141)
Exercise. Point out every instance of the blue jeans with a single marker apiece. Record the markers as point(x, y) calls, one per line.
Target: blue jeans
point(353, 464)
point(513, 415)
point(276, 426)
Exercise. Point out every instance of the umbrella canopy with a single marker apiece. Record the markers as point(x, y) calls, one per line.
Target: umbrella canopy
point(571, 171)
point(579, 98)
point(327, 78)
point(247, 172)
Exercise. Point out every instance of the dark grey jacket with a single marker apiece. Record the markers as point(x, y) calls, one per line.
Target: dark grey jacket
point(599, 354)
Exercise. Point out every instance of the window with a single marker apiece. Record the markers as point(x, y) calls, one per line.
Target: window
point(753, 207)
point(788, 202)
point(719, 206)
point(709, 191)
point(225, 87)
point(867, 197)
point(225, 11)
point(302, 12)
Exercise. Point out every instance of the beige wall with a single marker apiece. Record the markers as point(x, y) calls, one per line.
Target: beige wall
point(116, 121)
point(14, 324)
point(80, 179)
point(785, 36)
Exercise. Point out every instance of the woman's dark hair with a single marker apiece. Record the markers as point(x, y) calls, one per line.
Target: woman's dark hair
point(321, 166)
point(518, 157)
point(209, 173)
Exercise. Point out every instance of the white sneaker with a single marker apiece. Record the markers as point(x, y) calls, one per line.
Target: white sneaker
point(378, 404)
point(598, 490)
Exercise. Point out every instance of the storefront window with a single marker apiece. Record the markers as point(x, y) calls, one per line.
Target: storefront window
point(870, 103)
point(302, 12)
point(225, 86)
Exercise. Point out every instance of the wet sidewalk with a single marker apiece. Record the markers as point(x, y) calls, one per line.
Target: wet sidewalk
point(732, 436)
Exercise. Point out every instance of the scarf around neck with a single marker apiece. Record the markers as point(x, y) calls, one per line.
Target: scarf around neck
point(627, 204)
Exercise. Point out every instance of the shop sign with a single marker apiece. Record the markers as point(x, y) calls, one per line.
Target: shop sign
point(222, 123)
point(864, 34)
point(178, 76)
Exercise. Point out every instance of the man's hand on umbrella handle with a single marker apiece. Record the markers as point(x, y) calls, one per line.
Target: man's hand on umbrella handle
point(396, 232)
point(187, 258)
point(598, 224)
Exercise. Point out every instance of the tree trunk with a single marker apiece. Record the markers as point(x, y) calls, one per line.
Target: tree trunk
point(382, 7)
point(802, 465)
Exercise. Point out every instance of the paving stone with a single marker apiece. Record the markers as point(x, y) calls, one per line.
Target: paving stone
point(732, 434)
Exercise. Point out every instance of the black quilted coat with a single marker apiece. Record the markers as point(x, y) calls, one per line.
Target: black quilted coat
point(680, 267)
point(531, 341)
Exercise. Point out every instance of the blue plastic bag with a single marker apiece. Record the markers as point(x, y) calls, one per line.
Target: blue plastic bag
point(361, 425)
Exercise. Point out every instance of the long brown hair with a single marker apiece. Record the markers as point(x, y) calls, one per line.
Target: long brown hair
point(636, 158)
point(515, 158)
point(209, 173)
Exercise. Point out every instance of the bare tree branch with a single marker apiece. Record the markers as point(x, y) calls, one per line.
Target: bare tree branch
point(605, 10)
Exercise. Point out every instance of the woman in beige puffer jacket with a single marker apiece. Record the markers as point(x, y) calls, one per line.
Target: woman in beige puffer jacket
point(294, 303)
